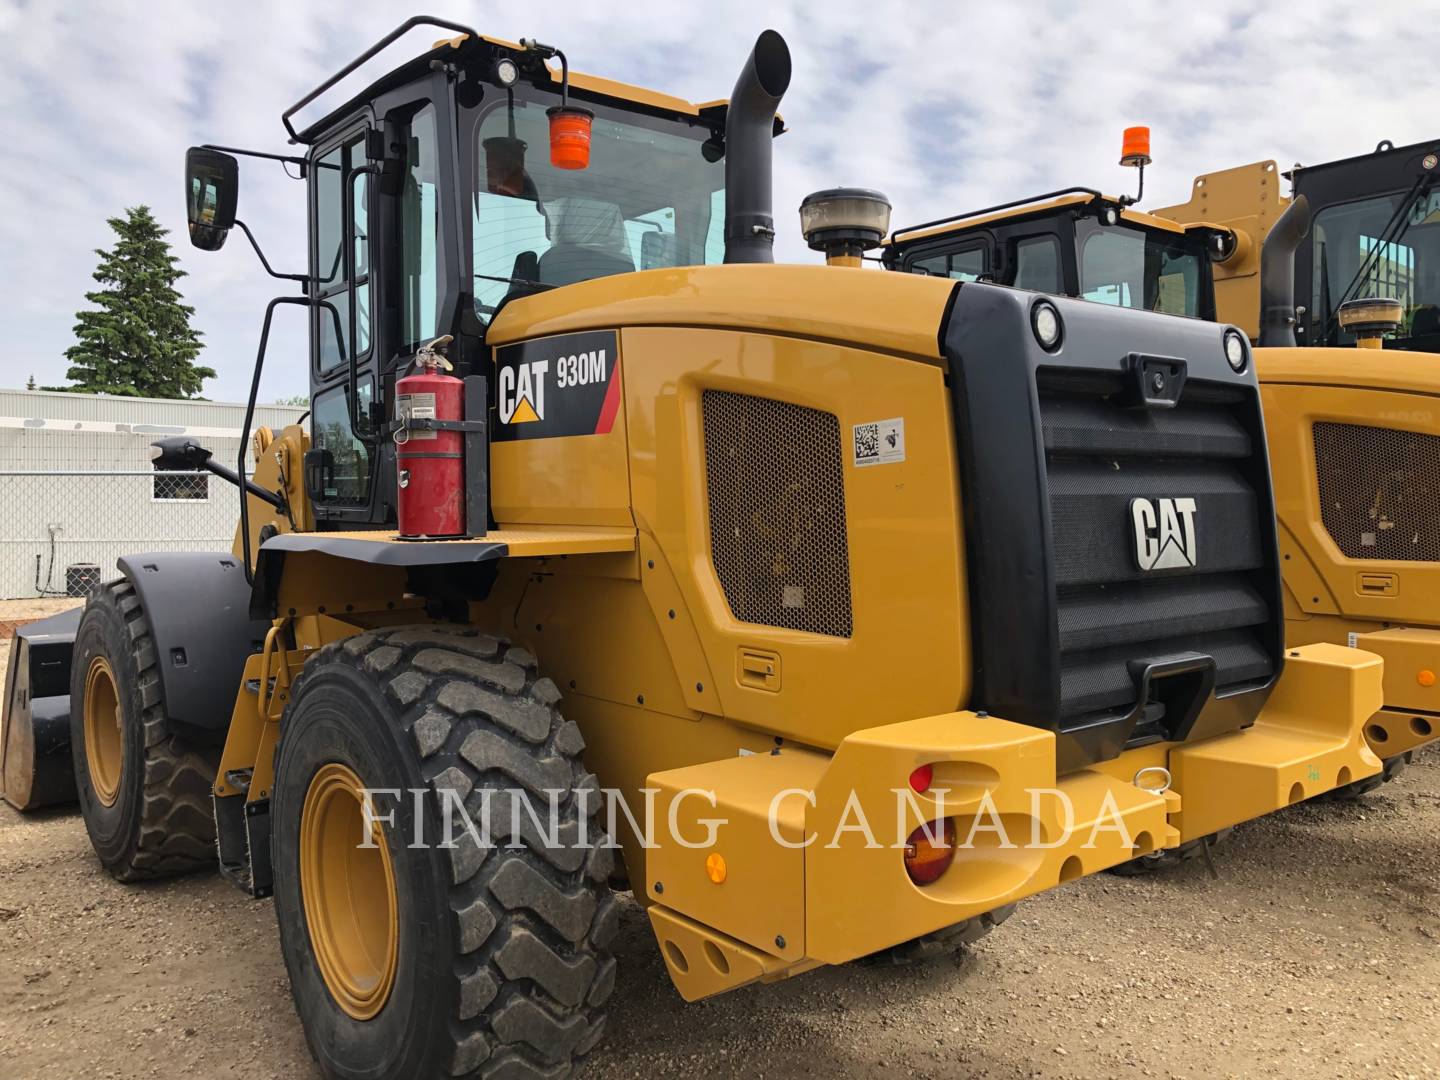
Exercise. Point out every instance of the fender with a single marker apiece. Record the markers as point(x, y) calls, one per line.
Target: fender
point(198, 606)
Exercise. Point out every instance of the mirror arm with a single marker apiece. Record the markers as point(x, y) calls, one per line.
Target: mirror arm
point(283, 158)
point(264, 261)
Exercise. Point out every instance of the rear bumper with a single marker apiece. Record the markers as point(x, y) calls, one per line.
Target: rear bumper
point(808, 848)
point(1411, 716)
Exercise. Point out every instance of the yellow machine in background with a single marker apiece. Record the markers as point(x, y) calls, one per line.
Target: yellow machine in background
point(1354, 446)
point(881, 601)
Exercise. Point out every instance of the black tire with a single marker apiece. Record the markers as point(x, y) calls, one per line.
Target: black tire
point(160, 822)
point(504, 961)
point(939, 943)
point(1168, 858)
point(1391, 768)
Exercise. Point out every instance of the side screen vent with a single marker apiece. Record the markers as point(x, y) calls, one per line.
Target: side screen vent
point(1378, 491)
point(777, 512)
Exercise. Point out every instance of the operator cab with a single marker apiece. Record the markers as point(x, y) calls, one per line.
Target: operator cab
point(472, 176)
point(1375, 234)
point(1075, 242)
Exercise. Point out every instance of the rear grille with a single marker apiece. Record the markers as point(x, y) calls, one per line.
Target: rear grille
point(1101, 456)
point(1378, 491)
point(777, 512)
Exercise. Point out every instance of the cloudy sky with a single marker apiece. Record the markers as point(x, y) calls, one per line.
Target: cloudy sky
point(943, 105)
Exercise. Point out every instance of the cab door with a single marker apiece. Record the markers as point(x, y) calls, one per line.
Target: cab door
point(383, 261)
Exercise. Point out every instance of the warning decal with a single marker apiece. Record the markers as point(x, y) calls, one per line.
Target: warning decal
point(557, 386)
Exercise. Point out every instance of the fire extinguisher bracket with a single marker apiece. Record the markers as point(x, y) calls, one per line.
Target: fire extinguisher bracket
point(426, 423)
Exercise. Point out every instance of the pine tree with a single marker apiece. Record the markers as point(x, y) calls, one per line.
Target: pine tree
point(138, 342)
point(30, 383)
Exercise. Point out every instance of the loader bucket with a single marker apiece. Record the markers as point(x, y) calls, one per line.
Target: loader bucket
point(35, 768)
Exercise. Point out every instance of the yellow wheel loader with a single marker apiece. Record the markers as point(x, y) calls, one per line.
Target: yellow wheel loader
point(844, 609)
point(1354, 441)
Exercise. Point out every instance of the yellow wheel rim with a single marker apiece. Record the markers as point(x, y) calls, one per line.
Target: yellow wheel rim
point(348, 892)
point(104, 747)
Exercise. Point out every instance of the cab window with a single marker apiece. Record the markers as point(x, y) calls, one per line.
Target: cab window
point(966, 264)
point(1037, 264)
point(649, 199)
point(1141, 268)
point(347, 481)
point(333, 272)
point(422, 287)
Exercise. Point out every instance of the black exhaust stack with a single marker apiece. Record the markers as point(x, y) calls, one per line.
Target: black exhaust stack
point(1277, 274)
point(749, 131)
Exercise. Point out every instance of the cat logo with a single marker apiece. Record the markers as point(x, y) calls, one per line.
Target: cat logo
point(1164, 533)
point(521, 392)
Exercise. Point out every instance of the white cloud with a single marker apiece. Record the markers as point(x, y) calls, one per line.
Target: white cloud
point(943, 105)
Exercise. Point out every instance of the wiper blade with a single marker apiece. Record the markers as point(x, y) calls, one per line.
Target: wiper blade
point(1394, 230)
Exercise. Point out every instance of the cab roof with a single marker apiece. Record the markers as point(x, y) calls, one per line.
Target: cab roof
point(473, 50)
point(1039, 206)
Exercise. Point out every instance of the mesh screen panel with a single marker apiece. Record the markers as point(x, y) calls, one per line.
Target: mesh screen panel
point(1378, 491)
point(777, 512)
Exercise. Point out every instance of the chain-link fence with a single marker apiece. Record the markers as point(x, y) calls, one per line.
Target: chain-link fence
point(62, 530)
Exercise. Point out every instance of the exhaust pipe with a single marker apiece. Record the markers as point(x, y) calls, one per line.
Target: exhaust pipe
point(749, 131)
point(1277, 274)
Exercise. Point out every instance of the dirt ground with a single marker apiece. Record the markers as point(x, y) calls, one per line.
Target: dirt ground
point(1316, 953)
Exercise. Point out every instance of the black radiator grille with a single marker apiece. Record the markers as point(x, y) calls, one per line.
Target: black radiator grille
point(1100, 456)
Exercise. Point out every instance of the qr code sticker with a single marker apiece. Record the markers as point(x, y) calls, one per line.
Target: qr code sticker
point(880, 443)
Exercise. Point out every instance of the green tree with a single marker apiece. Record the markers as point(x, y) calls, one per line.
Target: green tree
point(138, 341)
point(30, 383)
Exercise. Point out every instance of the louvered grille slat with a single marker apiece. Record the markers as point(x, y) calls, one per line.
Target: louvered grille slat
point(1100, 456)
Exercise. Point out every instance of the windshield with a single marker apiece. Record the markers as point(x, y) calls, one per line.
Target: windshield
point(1387, 246)
point(649, 199)
point(1140, 268)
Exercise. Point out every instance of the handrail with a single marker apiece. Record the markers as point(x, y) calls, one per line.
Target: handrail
point(389, 39)
point(352, 374)
point(303, 301)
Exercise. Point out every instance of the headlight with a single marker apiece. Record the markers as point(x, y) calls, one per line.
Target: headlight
point(1235, 351)
point(506, 71)
point(1045, 321)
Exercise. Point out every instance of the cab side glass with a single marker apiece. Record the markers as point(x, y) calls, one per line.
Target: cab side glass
point(212, 179)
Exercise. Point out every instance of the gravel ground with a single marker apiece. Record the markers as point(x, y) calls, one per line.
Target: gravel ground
point(1316, 953)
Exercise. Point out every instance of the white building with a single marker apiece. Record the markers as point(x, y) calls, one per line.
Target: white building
point(78, 488)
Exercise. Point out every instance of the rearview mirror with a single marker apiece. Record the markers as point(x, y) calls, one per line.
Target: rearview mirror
point(211, 180)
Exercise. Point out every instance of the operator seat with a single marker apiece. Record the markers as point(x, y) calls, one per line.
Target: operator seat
point(587, 241)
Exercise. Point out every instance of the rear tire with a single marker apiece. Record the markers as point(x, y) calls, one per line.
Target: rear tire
point(1391, 768)
point(1145, 865)
point(144, 793)
point(503, 964)
point(940, 943)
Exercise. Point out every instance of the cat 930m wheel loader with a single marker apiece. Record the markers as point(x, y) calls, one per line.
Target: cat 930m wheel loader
point(875, 602)
point(1354, 439)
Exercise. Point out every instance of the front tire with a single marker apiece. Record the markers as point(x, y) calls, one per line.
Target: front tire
point(1356, 789)
point(144, 793)
point(477, 960)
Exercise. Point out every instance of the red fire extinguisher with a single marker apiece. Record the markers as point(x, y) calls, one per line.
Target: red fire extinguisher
point(430, 464)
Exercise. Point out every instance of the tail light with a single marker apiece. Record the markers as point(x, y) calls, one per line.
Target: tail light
point(929, 851)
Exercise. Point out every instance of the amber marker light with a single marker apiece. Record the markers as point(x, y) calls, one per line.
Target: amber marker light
point(929, 851)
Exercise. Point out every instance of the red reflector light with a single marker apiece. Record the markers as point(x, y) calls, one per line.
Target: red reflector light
point(929, 851)
point(922, 777)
